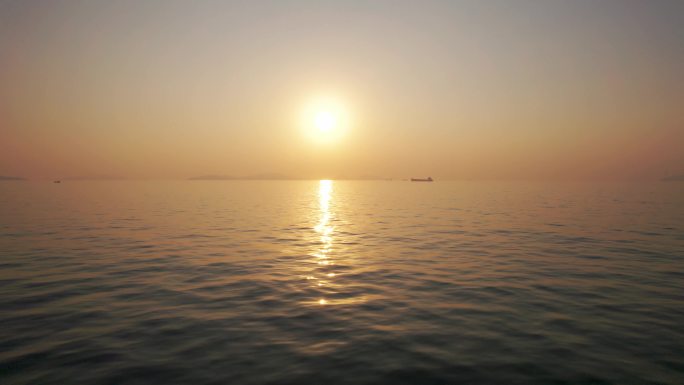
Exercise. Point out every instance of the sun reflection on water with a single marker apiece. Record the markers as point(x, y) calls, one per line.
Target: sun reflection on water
point(324, 229)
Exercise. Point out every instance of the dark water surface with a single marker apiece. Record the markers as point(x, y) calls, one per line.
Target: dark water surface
point(341, 283)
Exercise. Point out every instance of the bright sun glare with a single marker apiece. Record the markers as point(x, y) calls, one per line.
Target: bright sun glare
point(325, 120)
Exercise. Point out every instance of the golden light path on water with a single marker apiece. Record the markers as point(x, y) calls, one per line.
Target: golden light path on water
point(324, 229)
point(323, 255)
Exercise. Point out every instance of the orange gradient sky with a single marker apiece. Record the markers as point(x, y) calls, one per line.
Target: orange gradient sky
point(452, 89)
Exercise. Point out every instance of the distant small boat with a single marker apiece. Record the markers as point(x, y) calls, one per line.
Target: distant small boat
point(429, 179)
point(57, 181)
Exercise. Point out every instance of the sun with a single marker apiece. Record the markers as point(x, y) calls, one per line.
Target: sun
point(325, 120)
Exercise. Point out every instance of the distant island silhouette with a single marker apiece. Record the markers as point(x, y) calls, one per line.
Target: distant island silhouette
point(361, 177)
point(11, 178)
point(674, 178)
point(94, 177)
point(278, 176)
point(266, 176)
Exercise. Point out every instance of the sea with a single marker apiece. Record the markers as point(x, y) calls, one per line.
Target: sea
point(341, 282)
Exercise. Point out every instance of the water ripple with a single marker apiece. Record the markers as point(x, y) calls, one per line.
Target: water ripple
point(341, 283)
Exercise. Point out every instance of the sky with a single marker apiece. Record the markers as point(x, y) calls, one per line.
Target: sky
point(508, 89)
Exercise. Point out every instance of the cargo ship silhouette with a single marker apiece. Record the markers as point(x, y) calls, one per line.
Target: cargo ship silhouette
point(428, 179)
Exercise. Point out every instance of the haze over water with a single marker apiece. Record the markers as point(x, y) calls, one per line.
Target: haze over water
point(341, 282)
point(467, 89)
point(358, 192)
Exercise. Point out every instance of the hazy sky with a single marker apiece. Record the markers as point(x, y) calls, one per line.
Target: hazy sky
point(453, 89)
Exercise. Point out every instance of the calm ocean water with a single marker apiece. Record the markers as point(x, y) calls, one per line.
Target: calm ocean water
point(308, 282)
